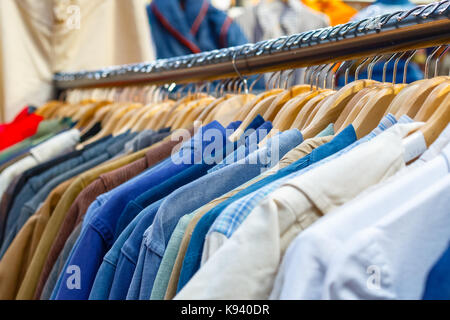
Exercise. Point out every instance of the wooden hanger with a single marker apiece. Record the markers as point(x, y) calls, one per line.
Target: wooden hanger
point(331, 108)
point(403, 96)
point(374, 109)
point(259, 109)
point(345, 118)
point(225, 111)
point(286, 116)
point(303, 115)
point(157, 121)
point(133, 117)
point(123, 124)
point(145, 120)
point(437, 122)
point(48, 108)
point(247, 109)
point(432, 102)
point(412, 104)
point(186, 113)
point(90, 114)
point(205, 114)
point(282, 99)
point(99, 116)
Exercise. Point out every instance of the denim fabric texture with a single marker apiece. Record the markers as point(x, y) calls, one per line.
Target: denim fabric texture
point(98, 237)
point(187, 199)
point(106, 275)
point(193, 255)
point(190, 29)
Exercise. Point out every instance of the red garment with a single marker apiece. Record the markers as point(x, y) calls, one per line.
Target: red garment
point(23, 126)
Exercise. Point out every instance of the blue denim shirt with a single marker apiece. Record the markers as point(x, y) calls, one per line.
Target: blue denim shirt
point(250, 144)
point(438, 282)
point(130, 251)
point(195, 28)
point(187, 199)
point(110, 151)
point(98, 237)
point(103, 284)
point(193, 255)
point(196, 171)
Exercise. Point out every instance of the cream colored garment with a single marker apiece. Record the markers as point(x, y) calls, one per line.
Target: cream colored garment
point(214, 240)
point(246, 266)
point(53, 147)
point(38, 38)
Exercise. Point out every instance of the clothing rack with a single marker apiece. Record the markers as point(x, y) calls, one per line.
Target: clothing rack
point(420, 27)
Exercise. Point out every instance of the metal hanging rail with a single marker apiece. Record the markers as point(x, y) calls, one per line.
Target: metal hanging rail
point(420, 27)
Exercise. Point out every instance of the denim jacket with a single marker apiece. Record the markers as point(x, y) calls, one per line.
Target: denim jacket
point(196, 28)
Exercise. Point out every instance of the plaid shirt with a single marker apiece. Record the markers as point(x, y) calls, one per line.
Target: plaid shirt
point(232, 217)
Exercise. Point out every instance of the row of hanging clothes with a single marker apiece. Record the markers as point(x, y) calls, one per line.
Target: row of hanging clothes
point(296, 191)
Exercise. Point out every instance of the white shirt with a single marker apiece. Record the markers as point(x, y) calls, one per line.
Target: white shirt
point(391, 259)
point(41, 153)
point(245, 266)
point(305, 265)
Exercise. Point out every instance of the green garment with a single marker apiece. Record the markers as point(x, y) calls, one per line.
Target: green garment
point(169, 258)
point(46, 130)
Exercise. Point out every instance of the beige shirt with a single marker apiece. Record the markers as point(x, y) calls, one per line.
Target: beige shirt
point(38, 38)
point(245, 266)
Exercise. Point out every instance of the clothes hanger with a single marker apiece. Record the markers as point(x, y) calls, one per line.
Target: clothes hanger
point(225, 111)
point(345, 118)
point(373, 110)
point(413, 102)
point(331, 108)
point(433, 100)
point(437, 122)
point(435, 97)
point(132, 117)
point(284, 96)
point(312, 112)
point(257, 106)
point(286, 116)
point(88, 115)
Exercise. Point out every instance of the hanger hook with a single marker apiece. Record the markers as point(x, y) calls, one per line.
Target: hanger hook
point(244, 80)
point(316, 68)
point(255, 81)
point(358, 69)
point(427, 63)
point(347, 70)
point(305, 76)
point(372, 65)
point(386, 65)
point(437, 60)
point(406, 65)
point(318, 75)
point(286, 82)
point(394, 75)
point(336, 73)
point(327, 74)
point(268, 81)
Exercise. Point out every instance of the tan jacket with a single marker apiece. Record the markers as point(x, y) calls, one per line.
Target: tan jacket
point(17, 258)
point(31, 278)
